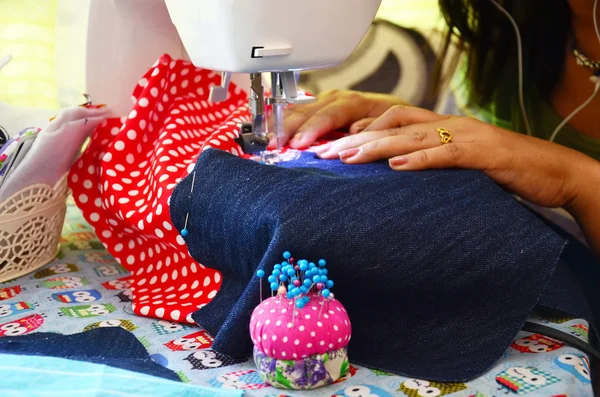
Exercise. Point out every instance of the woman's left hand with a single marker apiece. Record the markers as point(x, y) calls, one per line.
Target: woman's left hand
point(541, 172)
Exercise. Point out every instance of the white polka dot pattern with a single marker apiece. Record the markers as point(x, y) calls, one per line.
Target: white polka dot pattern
point(124, 180)
point(279, 330)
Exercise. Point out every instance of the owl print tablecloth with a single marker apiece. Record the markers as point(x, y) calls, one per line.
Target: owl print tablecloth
point(85, 288)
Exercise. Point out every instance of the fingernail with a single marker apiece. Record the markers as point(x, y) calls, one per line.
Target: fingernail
point(346, 154)
point(321, 148)
point(398, 161)
point(297, 138)
point(360, 128)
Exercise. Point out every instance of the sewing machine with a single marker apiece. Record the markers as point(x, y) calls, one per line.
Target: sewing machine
point(277, 36)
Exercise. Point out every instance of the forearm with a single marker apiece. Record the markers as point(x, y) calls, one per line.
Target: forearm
point(585, 208)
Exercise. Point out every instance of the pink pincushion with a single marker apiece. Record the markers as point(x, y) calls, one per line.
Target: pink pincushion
point(276, 332)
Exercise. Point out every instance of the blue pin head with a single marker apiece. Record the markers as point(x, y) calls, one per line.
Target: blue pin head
point(283, 277)
point(260, 273)
point(329, 284)
point(287, 255)
point(325, 293)
point(276, 272)
point(303, 261)
point(311, 265)
point(307, 283)
point(322, 263)
point(296, 291)
point(316, 279)
point(272, 278)
point(303, 267)
point(291, 272)
point(274, 286)
point(184, 233)
point(304, 289)
point(289, 295)
point(323, 279)
point(277, 267)
point(300, 304)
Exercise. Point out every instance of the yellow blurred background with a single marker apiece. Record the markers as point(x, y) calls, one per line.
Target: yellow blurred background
point(28, 30)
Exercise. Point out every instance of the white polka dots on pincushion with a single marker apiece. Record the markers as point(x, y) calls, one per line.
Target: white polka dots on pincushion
point(278, 334)
point(124, 180)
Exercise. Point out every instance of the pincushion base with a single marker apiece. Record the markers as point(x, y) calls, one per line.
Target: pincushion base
point(304, 374)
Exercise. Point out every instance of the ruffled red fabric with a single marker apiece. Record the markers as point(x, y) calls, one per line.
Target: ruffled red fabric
point(124, 179)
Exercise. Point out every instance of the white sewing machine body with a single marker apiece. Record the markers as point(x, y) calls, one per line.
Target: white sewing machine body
point(280, 37)
point(124, 37)
point(244, 36)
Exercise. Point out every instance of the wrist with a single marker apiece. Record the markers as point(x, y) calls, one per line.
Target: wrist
point(586, 196)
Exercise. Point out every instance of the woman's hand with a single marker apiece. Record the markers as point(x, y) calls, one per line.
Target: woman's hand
point(333, 110)
point(544, 173)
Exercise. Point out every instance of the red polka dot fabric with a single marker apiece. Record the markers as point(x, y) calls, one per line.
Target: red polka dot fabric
point(124, 179)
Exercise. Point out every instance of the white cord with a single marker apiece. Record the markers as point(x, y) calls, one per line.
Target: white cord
point(591, 98)
point(520, 61)
point(596, 19)
point(579, 109)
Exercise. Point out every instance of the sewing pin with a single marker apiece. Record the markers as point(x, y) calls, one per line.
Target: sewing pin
point(185, 232)
point(322, 303)
point(280, 293)
point(260, 274)
point(294, 314)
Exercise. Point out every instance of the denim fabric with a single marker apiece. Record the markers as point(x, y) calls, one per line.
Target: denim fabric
point(31, 376)
point(438, 269)
point(114, 347)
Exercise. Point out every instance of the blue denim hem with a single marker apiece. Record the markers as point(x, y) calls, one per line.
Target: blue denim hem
point(114, 347)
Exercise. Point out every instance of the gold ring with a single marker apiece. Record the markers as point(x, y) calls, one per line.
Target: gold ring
point(445, 135)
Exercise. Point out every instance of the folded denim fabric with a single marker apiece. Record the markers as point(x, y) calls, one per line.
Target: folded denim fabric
point(34, 376)
point(111, 346)
point(438, 269)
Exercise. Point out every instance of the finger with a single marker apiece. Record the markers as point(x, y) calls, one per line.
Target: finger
point(293, 117)
point(404, 140)
point(361, 125)
point(452, 155)
point(399, 115)
point(333, 149)
point(390, 146)
point(334, 116)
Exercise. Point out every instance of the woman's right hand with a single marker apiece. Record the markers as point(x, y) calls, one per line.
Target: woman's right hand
point(333, 111)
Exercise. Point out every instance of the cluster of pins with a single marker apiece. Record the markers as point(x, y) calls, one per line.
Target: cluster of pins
point(299, 281)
